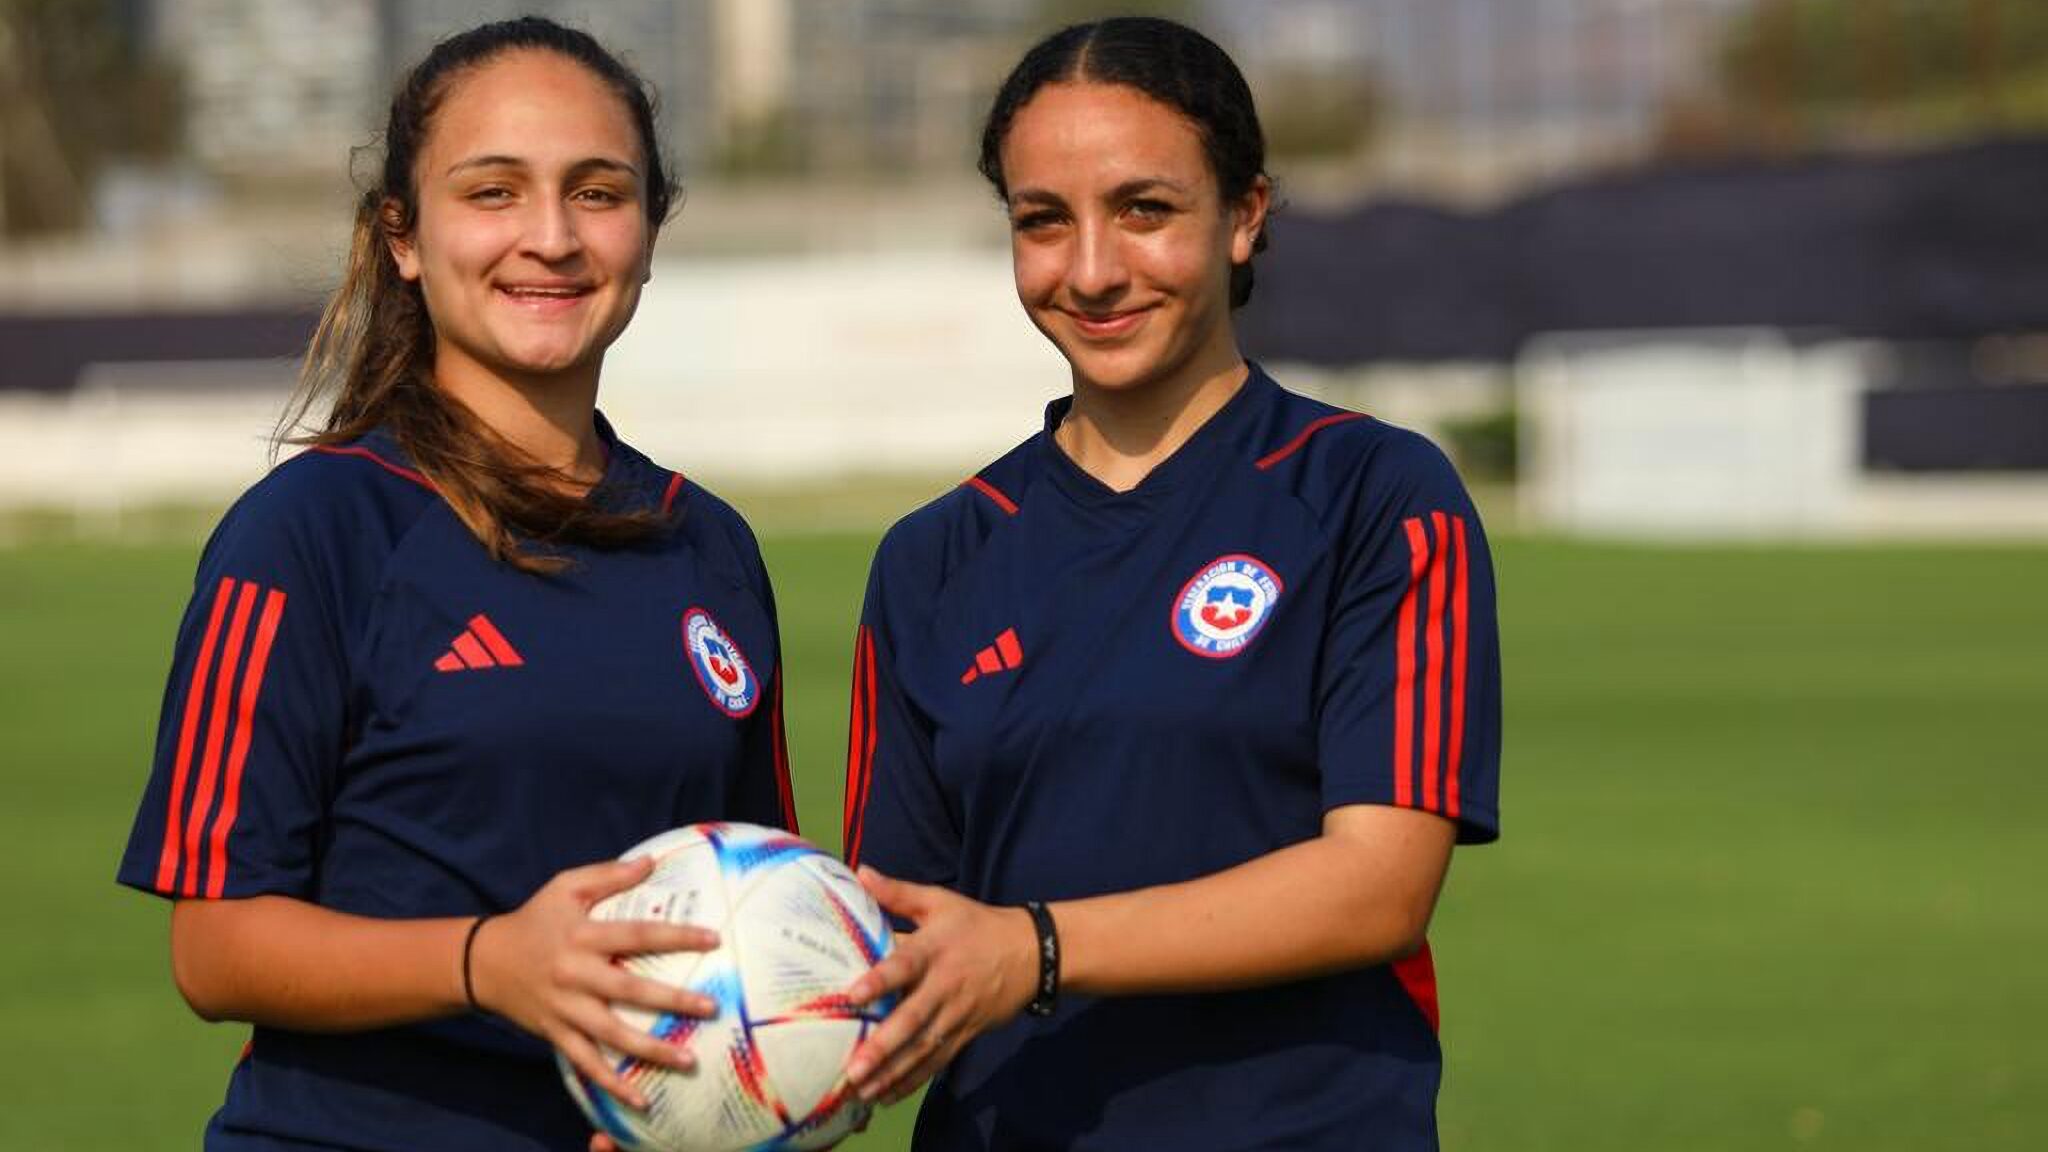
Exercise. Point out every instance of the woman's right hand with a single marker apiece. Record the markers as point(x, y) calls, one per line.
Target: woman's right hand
point(552, 970)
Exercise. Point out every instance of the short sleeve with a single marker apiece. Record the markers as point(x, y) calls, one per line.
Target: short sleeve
point(253, 721)
point(1408, 700)
point(896, 814)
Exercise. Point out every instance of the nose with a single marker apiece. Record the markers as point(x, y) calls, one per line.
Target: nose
point(1097, 272)
point(551, 231)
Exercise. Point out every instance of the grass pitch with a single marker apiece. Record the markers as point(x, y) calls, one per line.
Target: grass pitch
point(1773, 845)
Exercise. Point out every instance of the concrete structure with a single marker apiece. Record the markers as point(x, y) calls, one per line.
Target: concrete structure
point(1732, 434)
point(761, 371)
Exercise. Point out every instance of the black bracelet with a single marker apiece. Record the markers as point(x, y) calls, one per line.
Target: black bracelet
point(1048, 960)
point(468, 946)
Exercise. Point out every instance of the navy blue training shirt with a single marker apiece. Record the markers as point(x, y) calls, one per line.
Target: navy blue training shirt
point(367, 712)
point(1062, 691)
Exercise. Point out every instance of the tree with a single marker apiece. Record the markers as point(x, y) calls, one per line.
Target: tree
point(1802, 71)
point(75, 92)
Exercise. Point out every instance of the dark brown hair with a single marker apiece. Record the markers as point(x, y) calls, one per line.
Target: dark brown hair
point(373, 351)
point(1169, 62)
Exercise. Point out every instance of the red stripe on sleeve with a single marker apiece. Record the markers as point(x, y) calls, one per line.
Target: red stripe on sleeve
point(782, 786)
point(501, 648)
point(188, 732)
point(856, 739)
point(1404, 667)
point(668, 498)
point(1460, 613)
point(245, 724)
point(1433, 675)
point(994, 493)
point(1301, 438)
point(216, 731)
point(867, 751)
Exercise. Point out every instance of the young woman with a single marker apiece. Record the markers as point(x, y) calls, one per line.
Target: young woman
point(463, 648)
point(1166, 722)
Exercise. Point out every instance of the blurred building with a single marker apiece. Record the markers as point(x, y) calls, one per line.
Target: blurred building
point(1580, 213)
point(274, 90)
point(283, 89)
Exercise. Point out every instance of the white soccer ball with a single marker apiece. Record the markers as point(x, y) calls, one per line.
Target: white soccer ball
point(795, 928)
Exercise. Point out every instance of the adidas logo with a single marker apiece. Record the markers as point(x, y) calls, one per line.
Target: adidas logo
point(1001, 656)
point(480, 645)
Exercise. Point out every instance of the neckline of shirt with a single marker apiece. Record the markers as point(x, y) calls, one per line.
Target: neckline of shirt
point(630, 480)
point(1220, 429)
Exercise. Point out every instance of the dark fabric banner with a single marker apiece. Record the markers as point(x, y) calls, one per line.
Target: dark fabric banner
point(1949, 244)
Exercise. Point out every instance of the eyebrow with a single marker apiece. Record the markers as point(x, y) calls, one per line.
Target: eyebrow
point(1123, 191)
point(590, 164)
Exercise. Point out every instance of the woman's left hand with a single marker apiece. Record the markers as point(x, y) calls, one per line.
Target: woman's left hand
point(965, 969)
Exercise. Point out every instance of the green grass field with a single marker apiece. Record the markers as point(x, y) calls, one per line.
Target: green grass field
point(1771, 873)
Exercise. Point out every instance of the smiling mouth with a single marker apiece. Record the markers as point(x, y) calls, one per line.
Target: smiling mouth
point(1109, 325)
point(538, 294)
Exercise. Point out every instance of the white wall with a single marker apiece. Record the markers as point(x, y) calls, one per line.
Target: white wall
point(803, 368)
point(745, 370)
point(1730, 434)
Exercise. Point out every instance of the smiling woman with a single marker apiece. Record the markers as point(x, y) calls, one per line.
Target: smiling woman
point(498, 255)
point(1172, 840)
point(440, 663)
point(531, 241)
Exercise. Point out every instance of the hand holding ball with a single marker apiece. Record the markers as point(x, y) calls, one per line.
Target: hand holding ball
point(795, 928)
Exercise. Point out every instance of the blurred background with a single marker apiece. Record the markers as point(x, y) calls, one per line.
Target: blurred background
point(1734, 313)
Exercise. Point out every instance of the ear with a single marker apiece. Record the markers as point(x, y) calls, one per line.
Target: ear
point(1248, 217)
point(400, 240)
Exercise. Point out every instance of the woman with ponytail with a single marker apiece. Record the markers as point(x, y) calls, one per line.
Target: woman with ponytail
point(1174, 713)
point(442, 666)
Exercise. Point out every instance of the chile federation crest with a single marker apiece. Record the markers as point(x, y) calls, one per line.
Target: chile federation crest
point(721, 668)
point(1226, 603)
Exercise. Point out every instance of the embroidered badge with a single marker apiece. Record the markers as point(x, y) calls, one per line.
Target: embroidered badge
point(721, 668)
point(1226, 603)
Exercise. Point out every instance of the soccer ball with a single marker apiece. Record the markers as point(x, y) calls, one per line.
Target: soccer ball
point(795, 928)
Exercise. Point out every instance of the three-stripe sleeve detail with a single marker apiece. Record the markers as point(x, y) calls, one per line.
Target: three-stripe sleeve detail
point(1430, 663)
point(860, 743)
point(215, 731)
point(783, 792)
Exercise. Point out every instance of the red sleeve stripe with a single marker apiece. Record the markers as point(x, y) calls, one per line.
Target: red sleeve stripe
point(245, 727)
point(1433, 689)
point(1460, 613)
point(856, 740)
point(226, 685)
point(994, 494)
point(783, 791)
point(216, 734)
point(188, 732)
point(1438, 599)
point(668, 498)
point(1301, 438)
point(861, 772)
point(1404, 667)
point(867, 756)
